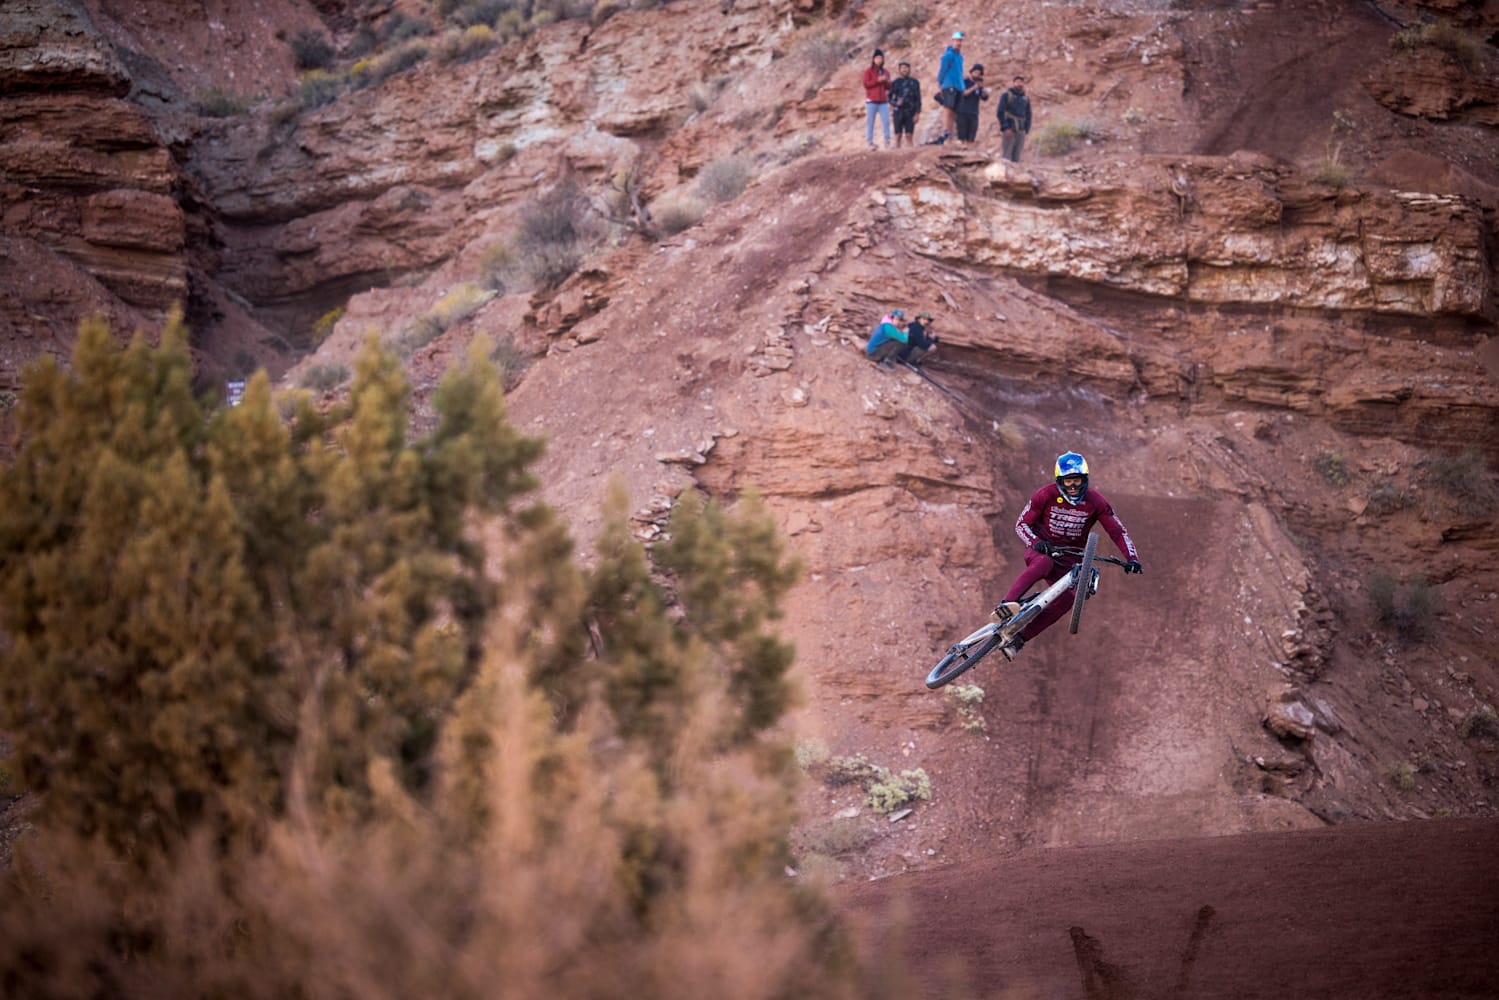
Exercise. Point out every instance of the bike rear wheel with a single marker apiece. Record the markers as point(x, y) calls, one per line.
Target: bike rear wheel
point(954, 663)
point(1084, 585)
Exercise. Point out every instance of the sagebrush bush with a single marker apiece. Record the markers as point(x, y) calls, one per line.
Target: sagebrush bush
point(1468, 50)
point(318, 87)
point(216, 102)
point(318, 709)
point(310, 50)
point(1409, 611)
point(553, 235)
point(725, 179)
point(1060, 138)
point(675, 212)
point(1463, 477)
point(324, 377)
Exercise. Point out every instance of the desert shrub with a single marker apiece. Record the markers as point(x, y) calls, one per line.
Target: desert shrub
point(319, 87)
point(675, 212)
point(364, 42)
point(1331, 467)
point(890, 791)
point(325, 323)
point(885, 790)
point(456, 304)
point(898, 15)
point(467, 44)
point(724, 180)
point(399, 28)
point(396, 61)
point(1401, 774)
point(821, 53)
point(603, 10)
point(1408, 611)
point(1060, 138)
point(510, 362)
point(485, 12)
point(811, 752)
point(1388, 498)
point(310, 50)
point(800, 146)
point(837, 837)
point(969, 700)
point(1133, 115)
point(1481, 723)
point(324, 377)
point(1466, 49)
point(1333, 172)
point(218, 103)
point(496, 264)
point(553, 235)
point(319, 708)
point(1462, 476)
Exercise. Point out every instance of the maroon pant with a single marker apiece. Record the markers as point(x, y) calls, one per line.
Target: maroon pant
point(1038, 568)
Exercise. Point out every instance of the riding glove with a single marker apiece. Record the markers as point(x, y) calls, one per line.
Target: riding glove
point(1133, 566)
point(1043, 546)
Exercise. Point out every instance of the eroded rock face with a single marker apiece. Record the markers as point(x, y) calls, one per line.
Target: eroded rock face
point(86, 184)
point(1214, 230)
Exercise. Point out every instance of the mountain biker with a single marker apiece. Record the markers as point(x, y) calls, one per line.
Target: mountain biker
point(1059, 514)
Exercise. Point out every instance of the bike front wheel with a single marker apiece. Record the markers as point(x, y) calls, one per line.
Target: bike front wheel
point(958, 660)
point(1084, 584)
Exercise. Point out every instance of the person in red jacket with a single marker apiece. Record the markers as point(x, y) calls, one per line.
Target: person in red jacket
point(1059, 514)
point(876, 97)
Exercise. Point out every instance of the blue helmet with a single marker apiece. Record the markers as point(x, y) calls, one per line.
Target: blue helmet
point(1072, 464)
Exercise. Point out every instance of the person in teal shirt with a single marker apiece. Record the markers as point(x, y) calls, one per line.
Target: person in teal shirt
point(888, 339)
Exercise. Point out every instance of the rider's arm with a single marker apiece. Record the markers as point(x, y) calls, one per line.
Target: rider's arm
point(1025, 524)
point(1116, 530)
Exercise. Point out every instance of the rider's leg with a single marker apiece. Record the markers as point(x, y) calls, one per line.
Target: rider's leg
point(1050, 615)
point(1037, 568)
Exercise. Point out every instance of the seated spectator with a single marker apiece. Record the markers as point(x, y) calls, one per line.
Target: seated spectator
point(888, 340)
point(919, 342)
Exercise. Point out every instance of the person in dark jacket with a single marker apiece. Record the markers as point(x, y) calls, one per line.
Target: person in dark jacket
point(1014, 113)
point(919, 341)
point(905, 100)
point(974, 91)
point(876, 98)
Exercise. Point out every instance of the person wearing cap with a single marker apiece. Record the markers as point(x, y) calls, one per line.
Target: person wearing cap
point(888, 341)
point(919, 343)
point(950, 82)
point(905, 100)
point(876, 97)
point(968, 104)
point(1014, 114)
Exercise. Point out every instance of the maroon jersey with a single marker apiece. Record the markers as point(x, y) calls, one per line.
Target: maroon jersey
point(1048, 515)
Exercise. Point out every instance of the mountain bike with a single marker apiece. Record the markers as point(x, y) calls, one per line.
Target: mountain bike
point(1082, 579)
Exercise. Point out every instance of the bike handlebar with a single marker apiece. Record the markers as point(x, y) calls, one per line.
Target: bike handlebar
point(1066, 550)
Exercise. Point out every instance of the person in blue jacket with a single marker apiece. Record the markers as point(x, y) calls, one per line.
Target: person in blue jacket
point(888, 340)
point(950, 75)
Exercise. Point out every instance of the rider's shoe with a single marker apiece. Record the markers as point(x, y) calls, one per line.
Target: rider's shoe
point(1005, 611)
point(1013, 647)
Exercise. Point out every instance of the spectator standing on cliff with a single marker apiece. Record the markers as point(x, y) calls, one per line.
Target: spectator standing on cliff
point(905, 99)
point(950, 85)
point(876, 98)
point(1014, 114)
point(974, 91)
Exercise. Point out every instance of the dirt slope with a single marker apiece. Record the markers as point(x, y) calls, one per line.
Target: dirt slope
point(1372, 911)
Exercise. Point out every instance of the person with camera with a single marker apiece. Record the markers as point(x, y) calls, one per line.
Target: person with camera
point(974, 91)
point(905, 99)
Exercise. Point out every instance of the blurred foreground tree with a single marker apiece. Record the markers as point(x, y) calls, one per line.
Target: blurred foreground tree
point(361, 724)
